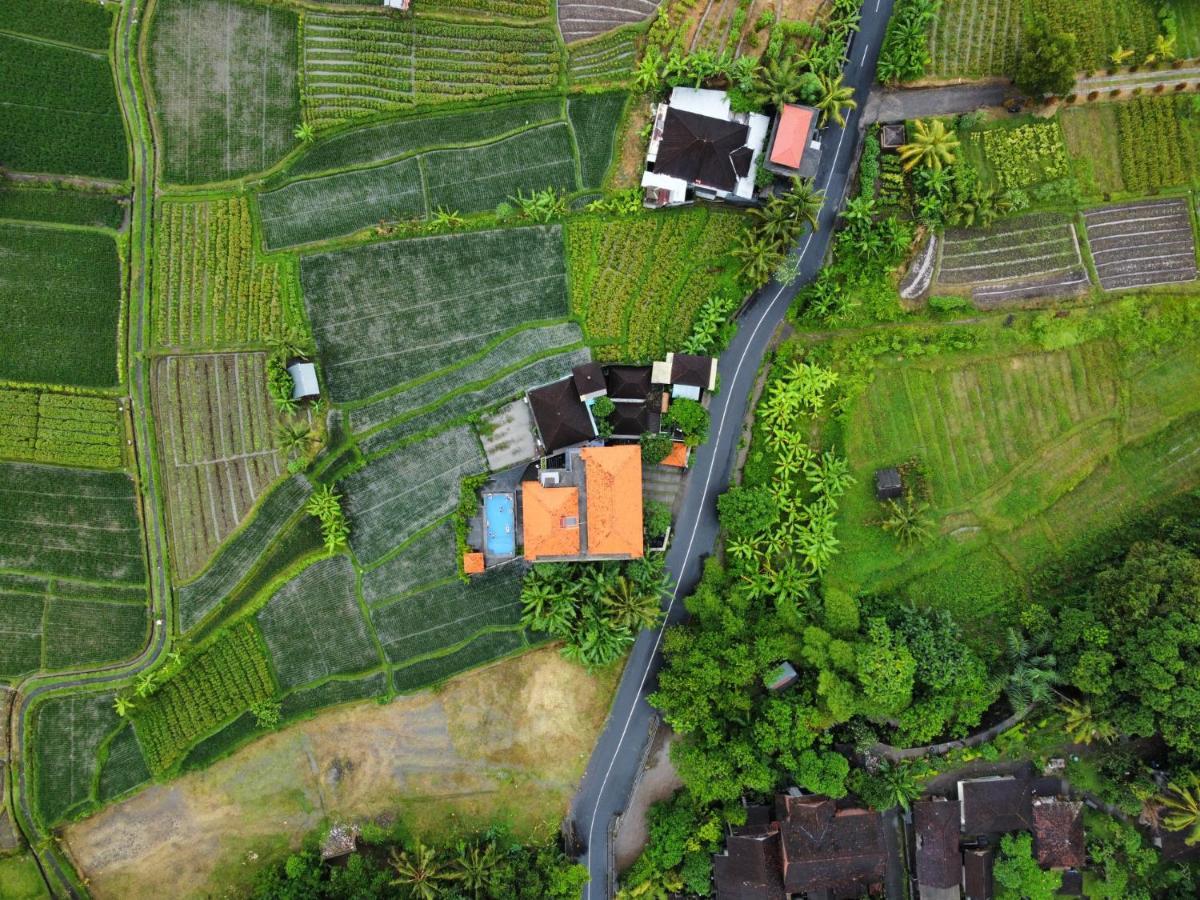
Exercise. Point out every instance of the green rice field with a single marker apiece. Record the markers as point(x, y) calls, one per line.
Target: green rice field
point(429, 557)
point(69, 731)
point(69, 336)
point(484, 648)
point(61, 207)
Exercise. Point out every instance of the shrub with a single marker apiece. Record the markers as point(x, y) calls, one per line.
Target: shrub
point(691, 419)
point(655, 448)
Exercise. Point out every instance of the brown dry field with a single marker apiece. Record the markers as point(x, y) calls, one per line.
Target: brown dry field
point(504, 743)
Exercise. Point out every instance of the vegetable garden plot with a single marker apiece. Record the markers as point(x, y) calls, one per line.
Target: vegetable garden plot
point(314, 627)
point(1102, 25)
point(331, 693)
point(395, 497)
point(125, 768)
point(80, 24)
point(61, 206)
point(603, 60)
point(210, 286)
point(975, 38)
point(386, 313)
point(224, 80)
point(68, 429)
point(388, 140)
point(223, 681)
point(67, 733)
point(578, 19)
point(485, 648)
point(974, 421)
point(433, 556)
point(334, 205)
point(463, 405)
point(350, 63)
point(82, 632)
point(70, 522)
point(505, 355)
point(509, 9)
point(1035, 255)
point(1158, 143)
point(241, 552)
point(60, 299)
point(217, 447)
point(60, 110)
point(20, 633)
point(1142, 244)
point(595, 119)
point(1027, 155)
point(448, 614)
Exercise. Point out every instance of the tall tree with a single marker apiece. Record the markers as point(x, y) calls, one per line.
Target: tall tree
point(932, 145)
point(1048, 60)
point(836, 99)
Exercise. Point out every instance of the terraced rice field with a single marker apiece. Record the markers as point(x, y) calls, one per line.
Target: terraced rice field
point(314, 628)
point(481, 649)
point(69, 733)
point(1142, 244)
point(393, 498)
point(976, 38)
point(217, 450)
point(579, 20)
point(224, 81)
point(1032, 256)
point(68, 429)
point(388, 313)
point(607, 59)
point(446, 615)
point(427, 558)
point(350, 70)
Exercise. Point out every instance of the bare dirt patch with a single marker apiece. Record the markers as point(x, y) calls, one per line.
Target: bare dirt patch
point(508, 742)
point(658, 781)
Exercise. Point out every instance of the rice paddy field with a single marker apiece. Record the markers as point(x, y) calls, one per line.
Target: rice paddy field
point(68, 429)
point(59, 101)
point(69, 733)
point(70, 335)
point(223, 74)
point(1026, 455)
point(388, 313)
point(61, 207)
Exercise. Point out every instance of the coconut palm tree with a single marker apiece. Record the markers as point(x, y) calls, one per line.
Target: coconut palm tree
point(1183, 804)
point(804, 202)
point(932, 145)
point(420, 872)
point(1083, 725)
point(476, 867)
point(294, 438)
point(1032, 673)
point(908, 521)
point(757, 258)
point(836, 99)
point(629, 607)
point(779, 80)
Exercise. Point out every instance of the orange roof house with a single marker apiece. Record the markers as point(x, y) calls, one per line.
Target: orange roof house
point(678, 457)
point(473, 563)
point(551, 517)
point(790, 151)
point(614, 500)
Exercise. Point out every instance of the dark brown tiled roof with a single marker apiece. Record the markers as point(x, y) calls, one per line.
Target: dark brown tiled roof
point(826, 848)
point(628, 382)
point(701, 149)
point(562, 419)
point(939, 862)
point(691, 370)
point(1058, 833)
point(588, 377)
point(750, 867)
point(977, 874)
point(633, 419)
point(996, 805)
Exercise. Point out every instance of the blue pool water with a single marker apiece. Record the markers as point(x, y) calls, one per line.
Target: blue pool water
point(501, 524)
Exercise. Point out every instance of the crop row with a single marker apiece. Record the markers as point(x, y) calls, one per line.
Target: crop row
point(1156, 152)
point(975, 38)
point(210, 287)
point(224, 680)
point(69, 429)
point(608, 59)
point(1100, 26)
point(1027, 155)
point(512, 9)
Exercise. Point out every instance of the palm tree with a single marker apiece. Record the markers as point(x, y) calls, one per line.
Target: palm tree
point(902, 788)
point(1083, 725)
point(779, 80)
point(932, 145)
point(146, 683)
point(1032, 673)
point(1183, 803)
point(629, 607)
point(1120, 56)
point(836, 98)
point(757, 258)
point(294, 439)
point(123, 706)
point(476, 867)
point(908, 521)
point(804, 202)
point(1164, 47)
point(304, 133)
point(421, 872)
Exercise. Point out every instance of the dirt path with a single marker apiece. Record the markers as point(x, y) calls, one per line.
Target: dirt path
point(1147, 78)
point(507, 742)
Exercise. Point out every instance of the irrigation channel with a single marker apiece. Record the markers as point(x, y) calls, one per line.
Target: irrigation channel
point(57, 871)
point(612, 770)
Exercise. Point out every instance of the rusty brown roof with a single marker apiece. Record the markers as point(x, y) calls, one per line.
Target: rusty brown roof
point(1058, 833)
point(939, 862)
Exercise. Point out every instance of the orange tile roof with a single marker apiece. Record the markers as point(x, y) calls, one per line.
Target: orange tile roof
point(473, 563)
point(543, 510)
point(792, 135)
point(614, 500)
point(678, 456)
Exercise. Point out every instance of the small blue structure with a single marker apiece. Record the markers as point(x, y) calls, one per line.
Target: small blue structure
point(500, 525)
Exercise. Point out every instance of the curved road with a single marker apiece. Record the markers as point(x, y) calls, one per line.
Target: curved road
point(58, 873)
point(609, 778)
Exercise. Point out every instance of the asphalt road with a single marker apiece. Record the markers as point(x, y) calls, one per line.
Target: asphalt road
point(886, 105)
point(608, 781)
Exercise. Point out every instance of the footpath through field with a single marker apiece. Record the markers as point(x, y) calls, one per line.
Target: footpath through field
point(612, 770)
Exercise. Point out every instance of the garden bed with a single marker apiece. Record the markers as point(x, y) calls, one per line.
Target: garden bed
point(1142, 244)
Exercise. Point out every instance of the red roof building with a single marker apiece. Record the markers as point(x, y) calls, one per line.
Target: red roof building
point(791, 150)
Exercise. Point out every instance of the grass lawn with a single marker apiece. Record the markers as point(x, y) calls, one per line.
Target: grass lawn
point(60, 298)
point(1027, 455)
point(20, 878)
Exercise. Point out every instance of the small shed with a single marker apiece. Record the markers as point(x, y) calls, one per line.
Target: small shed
point(888, 484)
point(473, 563)
point(304, 381)
point(784, 676)
point(892, 137)
point(401, 5)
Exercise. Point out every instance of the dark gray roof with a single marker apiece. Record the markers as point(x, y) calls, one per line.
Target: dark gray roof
point(588, 377)
point(691, 370)
point(628, 382)
point(977, 874)
point(939, 863)
point(701, 149)
point(996, 805)
point(561, 418)
point(634, 419)
point(888, 485)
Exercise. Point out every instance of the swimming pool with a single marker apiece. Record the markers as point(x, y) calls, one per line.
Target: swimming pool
point(501, 524)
